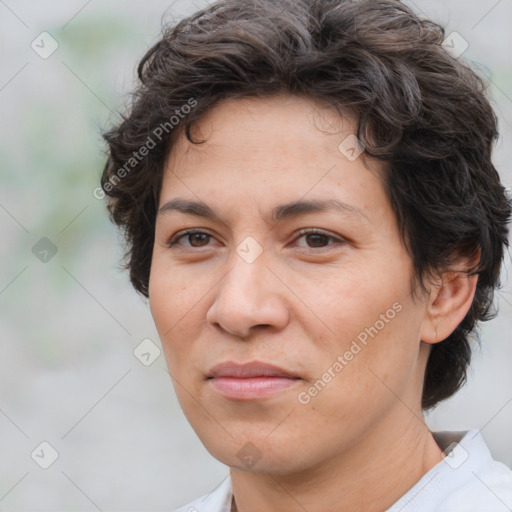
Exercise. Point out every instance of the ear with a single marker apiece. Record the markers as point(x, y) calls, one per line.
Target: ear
point(449, 301)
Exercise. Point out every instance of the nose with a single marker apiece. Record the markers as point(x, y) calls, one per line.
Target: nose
point(249, 297)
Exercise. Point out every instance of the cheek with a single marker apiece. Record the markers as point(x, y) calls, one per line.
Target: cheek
point(352, 301)
point(378, 362)
point(358, 382)
point(177, 308)
point(373, 325)
point(174, 292)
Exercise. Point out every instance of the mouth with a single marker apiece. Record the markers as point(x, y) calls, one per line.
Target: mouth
point(250, 381)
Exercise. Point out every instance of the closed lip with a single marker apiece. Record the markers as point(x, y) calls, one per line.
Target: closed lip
point(249, 370)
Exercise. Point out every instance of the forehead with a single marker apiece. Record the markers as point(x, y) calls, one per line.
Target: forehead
point(256, 149)
point(287, 125)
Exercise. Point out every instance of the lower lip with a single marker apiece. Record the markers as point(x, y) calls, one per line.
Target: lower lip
point(251, 388)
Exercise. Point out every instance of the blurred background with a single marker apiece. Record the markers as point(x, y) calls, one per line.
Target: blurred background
point(88, 415)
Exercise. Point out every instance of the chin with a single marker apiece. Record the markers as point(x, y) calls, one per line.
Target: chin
point(258, 453)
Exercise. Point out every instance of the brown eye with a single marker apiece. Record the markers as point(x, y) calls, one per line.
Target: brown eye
point(318, 239)
point(194, 238)
point(198, 239)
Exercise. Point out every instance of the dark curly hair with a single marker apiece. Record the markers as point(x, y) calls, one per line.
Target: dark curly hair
point(421, 112)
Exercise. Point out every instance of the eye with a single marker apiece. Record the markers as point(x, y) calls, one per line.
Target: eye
point(317, 239)
point(195, 238)
point(314, 238)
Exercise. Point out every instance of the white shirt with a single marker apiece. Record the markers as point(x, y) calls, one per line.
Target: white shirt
point(467, 480)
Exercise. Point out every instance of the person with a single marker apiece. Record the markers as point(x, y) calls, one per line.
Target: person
point(309, 203)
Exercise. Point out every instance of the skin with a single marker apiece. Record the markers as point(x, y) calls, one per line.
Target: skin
point(361, 442)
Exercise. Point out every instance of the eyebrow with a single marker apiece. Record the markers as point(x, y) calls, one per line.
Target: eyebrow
point(288, 210)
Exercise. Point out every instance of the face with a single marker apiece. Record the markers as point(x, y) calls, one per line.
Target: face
point(293, 260)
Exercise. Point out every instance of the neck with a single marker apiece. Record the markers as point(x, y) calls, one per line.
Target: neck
point(371, 475)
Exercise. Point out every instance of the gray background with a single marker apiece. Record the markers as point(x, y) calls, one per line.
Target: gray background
point(69, 326)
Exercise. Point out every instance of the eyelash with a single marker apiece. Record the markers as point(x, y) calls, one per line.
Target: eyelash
point(303, 232)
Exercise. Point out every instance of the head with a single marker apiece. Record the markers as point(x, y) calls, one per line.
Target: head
point(363, 274)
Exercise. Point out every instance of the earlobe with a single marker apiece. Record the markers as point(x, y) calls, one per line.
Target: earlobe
point(447, 305)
